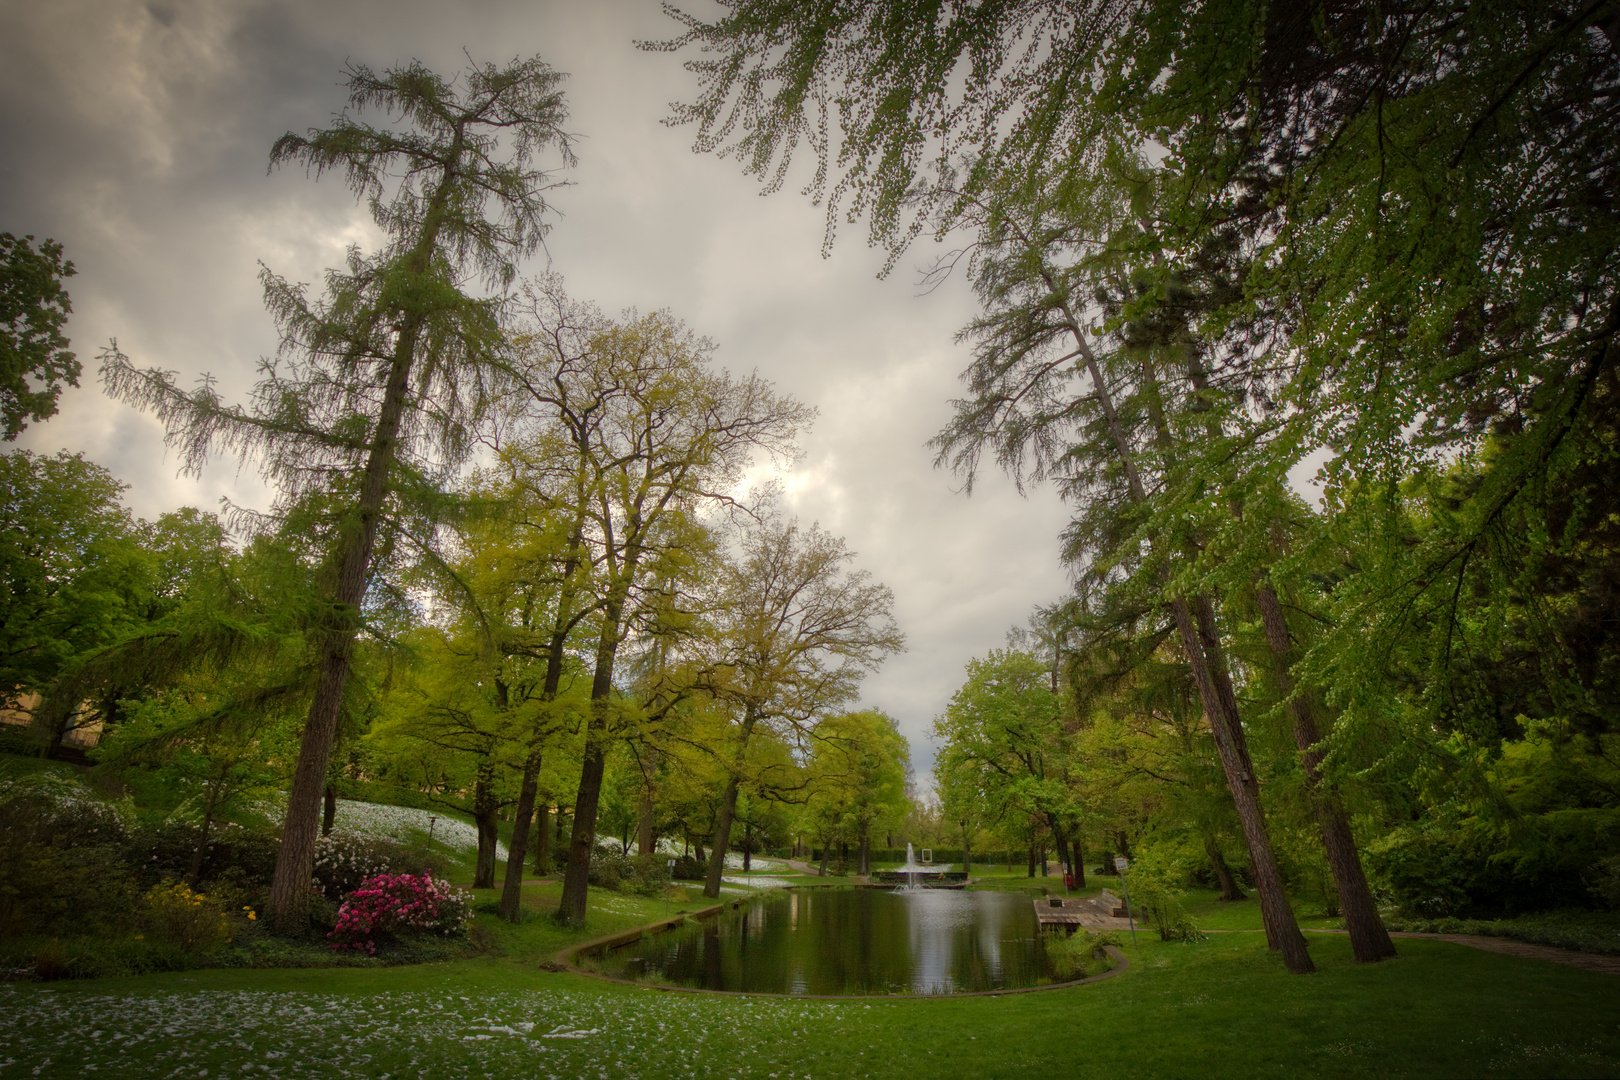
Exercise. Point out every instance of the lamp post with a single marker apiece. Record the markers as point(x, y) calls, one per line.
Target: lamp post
point(1121, 864)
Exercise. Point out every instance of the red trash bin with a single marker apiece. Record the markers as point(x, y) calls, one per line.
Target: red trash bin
point(1068, 881)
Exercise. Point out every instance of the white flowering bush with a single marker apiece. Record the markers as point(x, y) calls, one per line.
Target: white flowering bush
point(344, 860)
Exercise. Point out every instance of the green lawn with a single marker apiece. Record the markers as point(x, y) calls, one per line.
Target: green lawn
point(1222, 1008)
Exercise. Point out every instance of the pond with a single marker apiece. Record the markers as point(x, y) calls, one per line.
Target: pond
point(847, 941)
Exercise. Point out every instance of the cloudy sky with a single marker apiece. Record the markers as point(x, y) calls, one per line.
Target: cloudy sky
point(137, 135)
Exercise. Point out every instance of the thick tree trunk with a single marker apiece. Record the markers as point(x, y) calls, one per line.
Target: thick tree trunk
point(1223, 873)
point(1079, 863)
point(486, 817)
point(577, 877)
point(1032, 858)
point(329, 811)
point(582, 842)
point(1369, 940)
point(728, 807)
point(512, 884)
point(646, 842)
point(722, 839)
point(542, 838)
point(865, 853)
point(1202, 648)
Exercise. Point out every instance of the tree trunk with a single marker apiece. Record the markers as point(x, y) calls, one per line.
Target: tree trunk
point(1079, 863)
point(1208, 663)
point(577, 877)
point(1369, 940)
point(329, 813)
point(728, 806)
point(967, 856)
point(202, 841)
point(646, 842)
point(542, 838)
point(722, 838)
point(486, 818)
point(1223, 872)
point(582, 842)
point(865, 853)
point(1032, 858)
point(512, 884)
point(824, 846)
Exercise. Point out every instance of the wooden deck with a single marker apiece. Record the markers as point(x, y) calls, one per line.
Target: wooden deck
point(1091, 912)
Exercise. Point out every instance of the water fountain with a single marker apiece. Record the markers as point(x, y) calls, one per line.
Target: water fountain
point(914, 875)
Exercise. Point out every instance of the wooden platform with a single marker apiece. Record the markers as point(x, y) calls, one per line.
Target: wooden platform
point(1091, 912)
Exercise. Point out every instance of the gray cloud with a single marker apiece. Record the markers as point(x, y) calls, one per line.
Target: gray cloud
point(137, 134)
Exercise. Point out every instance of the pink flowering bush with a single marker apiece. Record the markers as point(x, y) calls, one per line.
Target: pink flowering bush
point(390, 903)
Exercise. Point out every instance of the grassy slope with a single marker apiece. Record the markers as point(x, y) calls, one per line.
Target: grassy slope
point(1223, 1008)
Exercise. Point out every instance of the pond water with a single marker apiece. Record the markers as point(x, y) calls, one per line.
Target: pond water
point(847, 941)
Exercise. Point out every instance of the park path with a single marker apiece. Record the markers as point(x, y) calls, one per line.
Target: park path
point(803, 867)
point(1606, 965)
point(1598, 962)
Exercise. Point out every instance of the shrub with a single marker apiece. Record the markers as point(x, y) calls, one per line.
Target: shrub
point(1157, 900)
point(46, 889)
point(162, 851)
point(343, 861)
point(1079, 955)
point(391, 903)
point(51, 962)
point(690, 869)
point(609, 867)
point(1603, 878)
point(189, 921)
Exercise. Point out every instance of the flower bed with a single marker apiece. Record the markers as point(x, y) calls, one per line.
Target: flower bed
point(391, 903)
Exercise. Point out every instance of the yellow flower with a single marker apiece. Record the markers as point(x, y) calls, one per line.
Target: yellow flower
point(252, 916)
point(140, 937)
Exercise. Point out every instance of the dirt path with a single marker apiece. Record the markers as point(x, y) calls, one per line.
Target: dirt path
point(1598, 962)
point(1606, 965)
point(803, 867)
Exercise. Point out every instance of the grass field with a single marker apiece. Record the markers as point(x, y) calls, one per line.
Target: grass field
point(1217, 1009)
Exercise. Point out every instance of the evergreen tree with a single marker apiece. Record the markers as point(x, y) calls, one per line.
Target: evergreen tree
point(384, 380)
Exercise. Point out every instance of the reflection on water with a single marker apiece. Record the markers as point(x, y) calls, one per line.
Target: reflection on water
point(848, 941)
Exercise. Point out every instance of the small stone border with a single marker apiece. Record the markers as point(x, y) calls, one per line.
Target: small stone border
point(564, 961)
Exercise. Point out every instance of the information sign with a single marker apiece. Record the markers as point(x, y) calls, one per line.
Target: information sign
point(1121, 863)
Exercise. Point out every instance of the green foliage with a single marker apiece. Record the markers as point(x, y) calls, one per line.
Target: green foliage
point(1156, 897)
point(71, 576)
point(191, 922)
point(640, 875)
point(1079, 955)
point(34, 356)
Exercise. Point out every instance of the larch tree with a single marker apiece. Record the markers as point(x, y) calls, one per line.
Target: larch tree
point(381, 384)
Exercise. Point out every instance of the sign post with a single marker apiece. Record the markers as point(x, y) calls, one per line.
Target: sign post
point(1122, 864)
